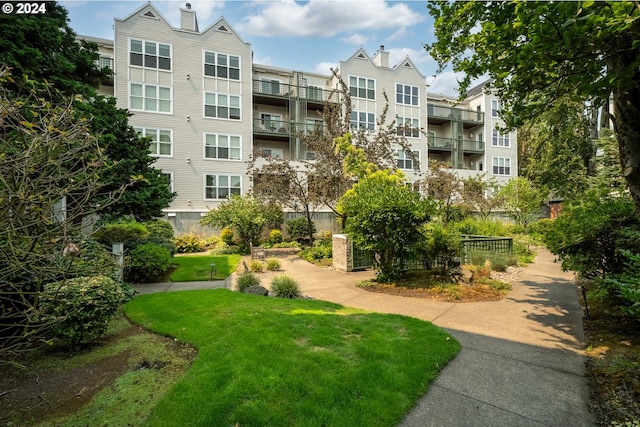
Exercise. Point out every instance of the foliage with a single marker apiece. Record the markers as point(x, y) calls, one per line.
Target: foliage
point(245, 214)
point(285, 287)
point(161, 233)
point(441, 245)
point(628, 283)
point(257, 266)
point(246, 280)
point(538, 52)
point(522, 200)
point(292, 244)
point(444, 187)
point(197, 267)
point(226, 234)
point(147, 262)
point(383, 216)
point(122, 232)
point(300, 229)
point(189, 243)
point(321, 249)
point(81, 308)
point(481, 227)
point(275, 236)
point(273, 264)
point(480, 195)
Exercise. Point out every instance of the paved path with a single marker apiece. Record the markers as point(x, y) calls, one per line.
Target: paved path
point(522, 361)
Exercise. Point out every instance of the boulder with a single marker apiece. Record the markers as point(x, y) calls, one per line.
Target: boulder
point(257, 290)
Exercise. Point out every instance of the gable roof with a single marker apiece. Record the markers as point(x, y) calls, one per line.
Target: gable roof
point(147, 10)
point(223, 26)
point(407, 63)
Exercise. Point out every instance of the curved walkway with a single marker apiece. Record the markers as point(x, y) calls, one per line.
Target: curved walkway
point(522, 361)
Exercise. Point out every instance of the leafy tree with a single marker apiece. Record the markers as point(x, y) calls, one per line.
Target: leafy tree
point(245, 214)
point(445, 187)
point(538, 52)
point(521, 200)
point(480, 195)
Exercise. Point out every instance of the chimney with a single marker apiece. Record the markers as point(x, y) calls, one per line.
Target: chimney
point(188, 20)
point(381, 58)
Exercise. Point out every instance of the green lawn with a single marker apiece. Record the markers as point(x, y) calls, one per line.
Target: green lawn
point(196, 267)
point(279, 362)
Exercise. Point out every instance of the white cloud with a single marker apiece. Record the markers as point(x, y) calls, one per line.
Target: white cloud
point(445, 83)
point(206, 11)
point(325, 67)
point(326, 18)
point(417, 56)
point(263, 61)
point(356, 39)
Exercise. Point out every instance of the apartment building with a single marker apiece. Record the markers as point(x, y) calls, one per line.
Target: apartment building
point(208, 108)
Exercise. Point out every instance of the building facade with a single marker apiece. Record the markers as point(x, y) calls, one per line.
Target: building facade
point(208, 108)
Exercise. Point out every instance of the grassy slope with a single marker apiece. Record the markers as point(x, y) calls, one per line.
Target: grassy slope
point(267, 361)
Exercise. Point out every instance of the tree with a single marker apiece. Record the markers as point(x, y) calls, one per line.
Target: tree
point(245, 214)
point(480, 194)
point(444, 187)
point(538, 52)
point(521, 200)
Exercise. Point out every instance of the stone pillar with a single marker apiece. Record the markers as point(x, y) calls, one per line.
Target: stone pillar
point(341, 252)
point(118, 250)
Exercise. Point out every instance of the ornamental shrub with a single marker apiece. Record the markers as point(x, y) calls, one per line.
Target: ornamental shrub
point(285, 287)
point(189, 243)
point(123, 232)
point(257, 266)
point(299, 229)
point(273, 264)
point(227, 236)
point(627, 284)
point(147, 262)
point(80, 309)
point(246, 280)
point(160, 233)
point(275, 236)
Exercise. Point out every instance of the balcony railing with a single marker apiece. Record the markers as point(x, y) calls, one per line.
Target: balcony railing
point(447, 144)
point(452, 113)
point(284, 90)
point(275, 127)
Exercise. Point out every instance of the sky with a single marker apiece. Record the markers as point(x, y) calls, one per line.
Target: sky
point(308, 36)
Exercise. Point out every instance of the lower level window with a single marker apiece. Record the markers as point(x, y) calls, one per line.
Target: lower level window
point(160, 144)
point(217, 187)
point(405, 159)
point(501, 166)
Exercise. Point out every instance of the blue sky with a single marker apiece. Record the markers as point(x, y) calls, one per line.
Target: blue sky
point(301, 35)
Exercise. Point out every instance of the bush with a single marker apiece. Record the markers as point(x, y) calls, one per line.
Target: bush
point(81, 308)
point(246, 280)
point(160, 233)
point(189, 243)
point(281, 245)
point(226, 234)
point(122, 232)
point(321, 249)
point(275, 237)
point(299, 229)
point(285, 287)
point(628, 284)
point(441, 246)
point(480, 227)
point(257, 266)
point(147, 262)
point(273, 264)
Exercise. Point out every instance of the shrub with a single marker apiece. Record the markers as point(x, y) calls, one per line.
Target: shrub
point(147, 262)
point(275, 236)
point(299, 229)
point(273, 264)
point(321, 249)
point(441, 246)
point(246, 280)
point(123, 232)
point(257, 266)
point(81, 308)
point(628, 284)
point(160, 233)
point(285, 287)
point(189, 243)
point(226, 234)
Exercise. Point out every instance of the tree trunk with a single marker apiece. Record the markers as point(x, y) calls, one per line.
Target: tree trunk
point(627, 130)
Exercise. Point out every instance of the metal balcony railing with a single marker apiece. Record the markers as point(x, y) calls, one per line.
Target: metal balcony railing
point(277, 127)
point(439, 143)
point(452, 113)
point(285, 90)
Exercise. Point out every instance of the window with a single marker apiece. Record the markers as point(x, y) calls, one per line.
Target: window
point(406, 160)
point(168, 176)
point(150, 98)
point(217, 187)
point(225, 147)
point(269, 86)
point(271, 122)
point(407, 94)
point(105, 62)
point(500, 139)
point(273, 153)
point(222, 66)
point(360, 87)
point(150, 54)
point(495, 107)
point(314, 93)
point(408, 127)
point(501, 166)
point(221, 106)
point(361, 120)
point(160, 145)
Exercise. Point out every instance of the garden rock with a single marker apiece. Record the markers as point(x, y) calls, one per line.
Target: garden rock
point(257, 290)
point(462, 276)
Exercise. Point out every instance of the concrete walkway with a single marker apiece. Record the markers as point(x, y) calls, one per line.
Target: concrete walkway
point(522, 361)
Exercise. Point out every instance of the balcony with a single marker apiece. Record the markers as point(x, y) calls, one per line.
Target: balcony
point(277, 93)
point(437, 115)
point(448, 144)
point(278, 130)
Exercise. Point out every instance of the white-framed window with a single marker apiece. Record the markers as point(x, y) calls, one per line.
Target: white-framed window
point(405, 160)
point(408, 127)
point(221, 186)
point(221, 106)
point(149, 54)
point(361, 87)
point(501, 166)
point(161, 144)
point(221, 65)
point(495, 108)
point(314, 93)
point(168, 176)
point(500, 139)
point(407, 94)
point(222, 147)
point(271, 122)
point(150, 98)
point(362, 120)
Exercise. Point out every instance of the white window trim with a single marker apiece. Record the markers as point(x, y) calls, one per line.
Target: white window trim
point(366, 129)
point(170, 112)
point(229, 95)
point(171, 178)
point(496, 109)
point(403, 86)
point(502, 140)
point(144, 134)
point(495, 160)
point(204, 183)
point(204, 52)
point(411, 119)
point(204, 147)
point(170, 70)
point(375, 84)
point(403, 151)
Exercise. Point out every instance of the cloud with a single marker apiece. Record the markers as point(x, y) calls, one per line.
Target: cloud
point(206, 11)
point(356, 39)
point(326, 18)
point(445, 83)
point(417, 56)
point(325, 67)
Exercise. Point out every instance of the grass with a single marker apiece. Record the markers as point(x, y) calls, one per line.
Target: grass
point(197, 267)
point(270, 361)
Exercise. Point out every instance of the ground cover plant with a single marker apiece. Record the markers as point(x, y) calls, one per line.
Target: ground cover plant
point(272, 361)
point(197, 267)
